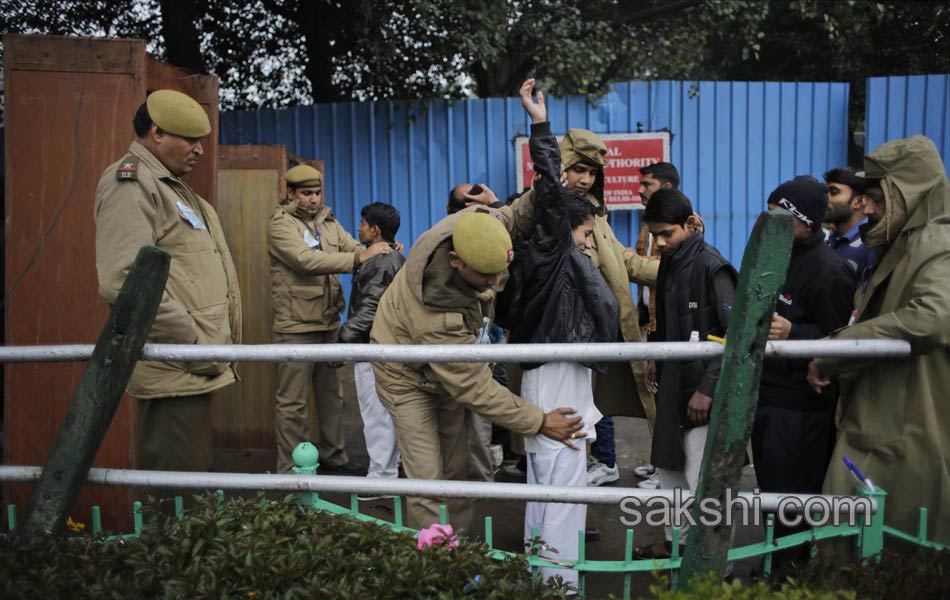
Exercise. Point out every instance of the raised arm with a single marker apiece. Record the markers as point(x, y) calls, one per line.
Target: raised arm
point(549, 205)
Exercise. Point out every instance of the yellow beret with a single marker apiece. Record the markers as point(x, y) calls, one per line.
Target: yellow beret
point(482, 242)
point(178, 114)
point(304, 176)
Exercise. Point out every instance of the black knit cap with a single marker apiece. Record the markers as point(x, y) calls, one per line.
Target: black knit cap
point(805, 197)
point(846, 176)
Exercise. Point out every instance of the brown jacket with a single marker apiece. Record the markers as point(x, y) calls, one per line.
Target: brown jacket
point(306, 254)
point(621, 392)
point(406, 315)
point(138, 203)
point(643, 242)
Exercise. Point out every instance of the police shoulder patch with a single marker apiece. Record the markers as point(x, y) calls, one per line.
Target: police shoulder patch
point(128, 169)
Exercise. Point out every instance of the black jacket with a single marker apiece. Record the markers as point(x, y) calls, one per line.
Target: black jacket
point(369, 282)
point(694, 292)
point(555, 293)
point(817, 297)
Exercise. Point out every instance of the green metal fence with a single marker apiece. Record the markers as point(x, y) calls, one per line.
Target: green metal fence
point(869, 537)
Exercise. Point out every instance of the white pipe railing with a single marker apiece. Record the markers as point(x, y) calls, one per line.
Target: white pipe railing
point(470, 490)
point(619, 352)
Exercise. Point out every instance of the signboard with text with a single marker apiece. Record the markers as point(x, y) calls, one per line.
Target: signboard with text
point(626, 154)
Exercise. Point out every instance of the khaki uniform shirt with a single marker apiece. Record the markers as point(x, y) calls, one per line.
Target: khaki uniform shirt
point(403, 318)
point(306, 255)
point(139, 203)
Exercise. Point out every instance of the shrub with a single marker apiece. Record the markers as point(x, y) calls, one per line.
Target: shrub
point(917, 574)
point(712, 588)
point(258, 549)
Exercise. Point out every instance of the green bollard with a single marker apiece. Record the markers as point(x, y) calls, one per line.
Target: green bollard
point(871, 537)
point(306, 458)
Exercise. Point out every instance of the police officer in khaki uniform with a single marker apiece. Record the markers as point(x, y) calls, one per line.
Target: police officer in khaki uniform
point(141, 200)
point(308, 248)
point(441, 296)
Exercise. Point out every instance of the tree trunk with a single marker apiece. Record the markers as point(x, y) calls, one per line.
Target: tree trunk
point(504, 78)
point(321, 23)
point(180, 30)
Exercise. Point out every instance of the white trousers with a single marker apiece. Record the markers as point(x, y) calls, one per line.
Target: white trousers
point(694, 442)
point(377, 425)
point(558, 524)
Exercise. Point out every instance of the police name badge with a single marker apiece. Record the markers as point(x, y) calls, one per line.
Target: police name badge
point(311, 241)
point(187, 213)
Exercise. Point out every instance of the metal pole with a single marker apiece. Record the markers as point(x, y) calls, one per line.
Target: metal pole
point(622, 352)
point(474, 490)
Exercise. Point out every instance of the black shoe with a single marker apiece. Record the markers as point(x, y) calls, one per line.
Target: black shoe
point(591, 534)
point(350, 467)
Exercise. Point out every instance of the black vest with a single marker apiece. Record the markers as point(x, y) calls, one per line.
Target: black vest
point(684, 303)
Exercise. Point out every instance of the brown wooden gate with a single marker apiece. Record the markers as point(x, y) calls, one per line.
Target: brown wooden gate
point(69, 104)
point(250, 183)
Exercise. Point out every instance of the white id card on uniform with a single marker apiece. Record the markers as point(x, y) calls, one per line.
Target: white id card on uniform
point(187, 213)
point(311, 241)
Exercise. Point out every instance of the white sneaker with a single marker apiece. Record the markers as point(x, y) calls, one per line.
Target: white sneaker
point(497, 455)
point(645, 471)
point(598, 473)
point(650, 483)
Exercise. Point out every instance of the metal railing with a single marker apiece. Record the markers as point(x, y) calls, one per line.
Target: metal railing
point(869, 532)
point(618, 352)
point(364, 486)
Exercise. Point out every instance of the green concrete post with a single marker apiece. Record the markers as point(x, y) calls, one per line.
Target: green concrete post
point(306, 457)
point(99, 392)
point(733, 411)
point(871, 537)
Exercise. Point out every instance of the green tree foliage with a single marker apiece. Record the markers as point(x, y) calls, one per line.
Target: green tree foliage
point(286, 52)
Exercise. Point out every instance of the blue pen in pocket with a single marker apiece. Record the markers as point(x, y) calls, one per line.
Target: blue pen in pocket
point(858, 475)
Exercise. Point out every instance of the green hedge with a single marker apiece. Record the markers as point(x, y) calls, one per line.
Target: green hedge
point(254, 549)
point(243, 548)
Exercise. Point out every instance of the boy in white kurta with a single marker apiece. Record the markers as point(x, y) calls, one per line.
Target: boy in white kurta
point(556, 294)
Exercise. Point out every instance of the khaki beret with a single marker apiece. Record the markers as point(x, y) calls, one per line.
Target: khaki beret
point(304, 176)
point(178, 114)
point(482, 242)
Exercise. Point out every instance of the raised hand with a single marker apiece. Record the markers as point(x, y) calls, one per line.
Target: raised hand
point(533, 106)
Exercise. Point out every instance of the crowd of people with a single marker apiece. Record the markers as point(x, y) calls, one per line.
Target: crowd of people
point(870, 258)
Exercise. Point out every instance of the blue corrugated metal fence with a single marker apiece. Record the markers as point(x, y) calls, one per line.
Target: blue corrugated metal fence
point(732, 141)
point(903, 106)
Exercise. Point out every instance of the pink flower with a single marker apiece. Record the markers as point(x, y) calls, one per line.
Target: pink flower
point(437, 535)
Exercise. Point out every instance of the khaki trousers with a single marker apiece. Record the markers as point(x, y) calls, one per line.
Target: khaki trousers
point(481, 466)
point(174, 434)
point(433, 437)
point(292, 408)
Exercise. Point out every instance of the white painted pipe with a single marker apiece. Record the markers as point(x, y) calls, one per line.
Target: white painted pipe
point(472, 490)
point(619, 352)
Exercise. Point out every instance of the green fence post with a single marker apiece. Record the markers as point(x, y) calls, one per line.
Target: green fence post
point(99, 392)
point(871, 537)
point(730, 423)
point(306, 458)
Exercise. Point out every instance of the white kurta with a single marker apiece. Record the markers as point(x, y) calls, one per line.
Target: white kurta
point(550, 462)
